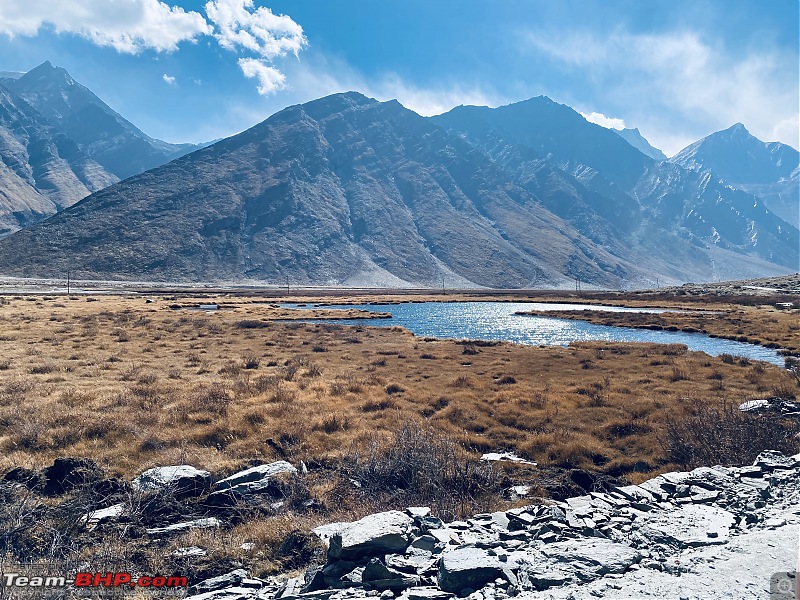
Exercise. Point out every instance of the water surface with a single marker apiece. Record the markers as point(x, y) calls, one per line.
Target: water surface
point(497, 321)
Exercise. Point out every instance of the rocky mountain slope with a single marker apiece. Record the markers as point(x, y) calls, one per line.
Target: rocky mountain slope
point(342, 190)
point(634, 137)
point(349, 191)
point(41, 169)
point(104, 135)
point(769, 170)
point(695, 215)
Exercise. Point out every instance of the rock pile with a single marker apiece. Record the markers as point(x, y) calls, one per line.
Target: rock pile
point(413, 555)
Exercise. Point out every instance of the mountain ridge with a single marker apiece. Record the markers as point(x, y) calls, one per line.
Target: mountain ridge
point(102, 133)
point(769, 170)
point(338, 190)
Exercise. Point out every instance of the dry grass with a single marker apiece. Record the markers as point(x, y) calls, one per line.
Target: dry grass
point(134, 384)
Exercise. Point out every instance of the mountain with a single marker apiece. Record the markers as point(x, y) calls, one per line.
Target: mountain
point(769, 170)
point(41, 169)
point(342, 190)
point(684, 223)
point(637, 140)
point(104, 135)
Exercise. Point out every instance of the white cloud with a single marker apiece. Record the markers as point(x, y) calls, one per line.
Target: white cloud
point(270, 79)
point(320, 75)
point(604, 121)
point(682, 85)
point(169, 80)
point(261, 31)
point(128, 26)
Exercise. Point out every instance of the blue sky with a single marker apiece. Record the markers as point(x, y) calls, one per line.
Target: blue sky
point(195, 70)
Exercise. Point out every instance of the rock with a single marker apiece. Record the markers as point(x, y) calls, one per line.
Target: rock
point(257, 473)
point(67, 473)
point(505, 457)
point(378, 534)
point(381, 577)
point(180, 480)
point(770, 460)
point(425, 593)
point(232, 579)
point(95, 517)
point(205, 523)
point(33, 480)
point(327, 531)
point(687, 527)
point(469, 567)
point(232, 593)
point(577, 560)
point(189, 552)
point(256, 480)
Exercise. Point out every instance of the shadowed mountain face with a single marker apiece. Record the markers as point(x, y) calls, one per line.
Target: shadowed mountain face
point(769, 170)
point(101, 133)
point(41, 169)
point(637, 140)
point(672, 220)
point(342, 190)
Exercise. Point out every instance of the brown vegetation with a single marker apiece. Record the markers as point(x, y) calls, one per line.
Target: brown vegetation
point(134, 384)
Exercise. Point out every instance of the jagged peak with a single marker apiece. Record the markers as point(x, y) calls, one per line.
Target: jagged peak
point(46, 71)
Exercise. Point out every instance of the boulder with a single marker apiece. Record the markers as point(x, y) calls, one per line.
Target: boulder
point(771, 460)
point(67, 473)
point(205, 523)
point(691, 526)
point(374, 535)
point(577, 560)
point(254, 474)
point(254, 481)
point(470, 568)
point(380, 577)
point(102, 515)
point(232, 579)
point(180, 480)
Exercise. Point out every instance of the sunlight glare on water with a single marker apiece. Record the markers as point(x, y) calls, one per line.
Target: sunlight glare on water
point(497, 321)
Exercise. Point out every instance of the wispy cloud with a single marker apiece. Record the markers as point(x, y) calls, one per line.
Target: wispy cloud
point(129, 26)
point(320, 75)
point(604, 121)
point(168, 79)
point(684, 77)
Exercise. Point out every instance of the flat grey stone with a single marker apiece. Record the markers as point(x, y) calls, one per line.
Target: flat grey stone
point(176, 528)
point(102, 515)
point(469, 567)
point(577, 560)
point(232, 579)
point(183, 480)
point(252, 481)
point(689, 526)
point(382, 533)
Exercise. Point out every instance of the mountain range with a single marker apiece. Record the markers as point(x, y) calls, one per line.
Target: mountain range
point(346, 190)
point(59, 142)
point(769, 170)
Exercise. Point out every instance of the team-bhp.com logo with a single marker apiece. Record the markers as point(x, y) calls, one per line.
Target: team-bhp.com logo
point(94, 580)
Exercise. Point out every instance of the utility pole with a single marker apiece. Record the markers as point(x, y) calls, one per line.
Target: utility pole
point(67, 282)
point(287, 285)
point(442, 284)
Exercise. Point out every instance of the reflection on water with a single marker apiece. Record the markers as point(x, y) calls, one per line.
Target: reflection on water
point(497, 321)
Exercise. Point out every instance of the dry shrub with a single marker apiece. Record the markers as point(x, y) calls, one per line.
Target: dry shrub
point(419, 466)
point(720, 434)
